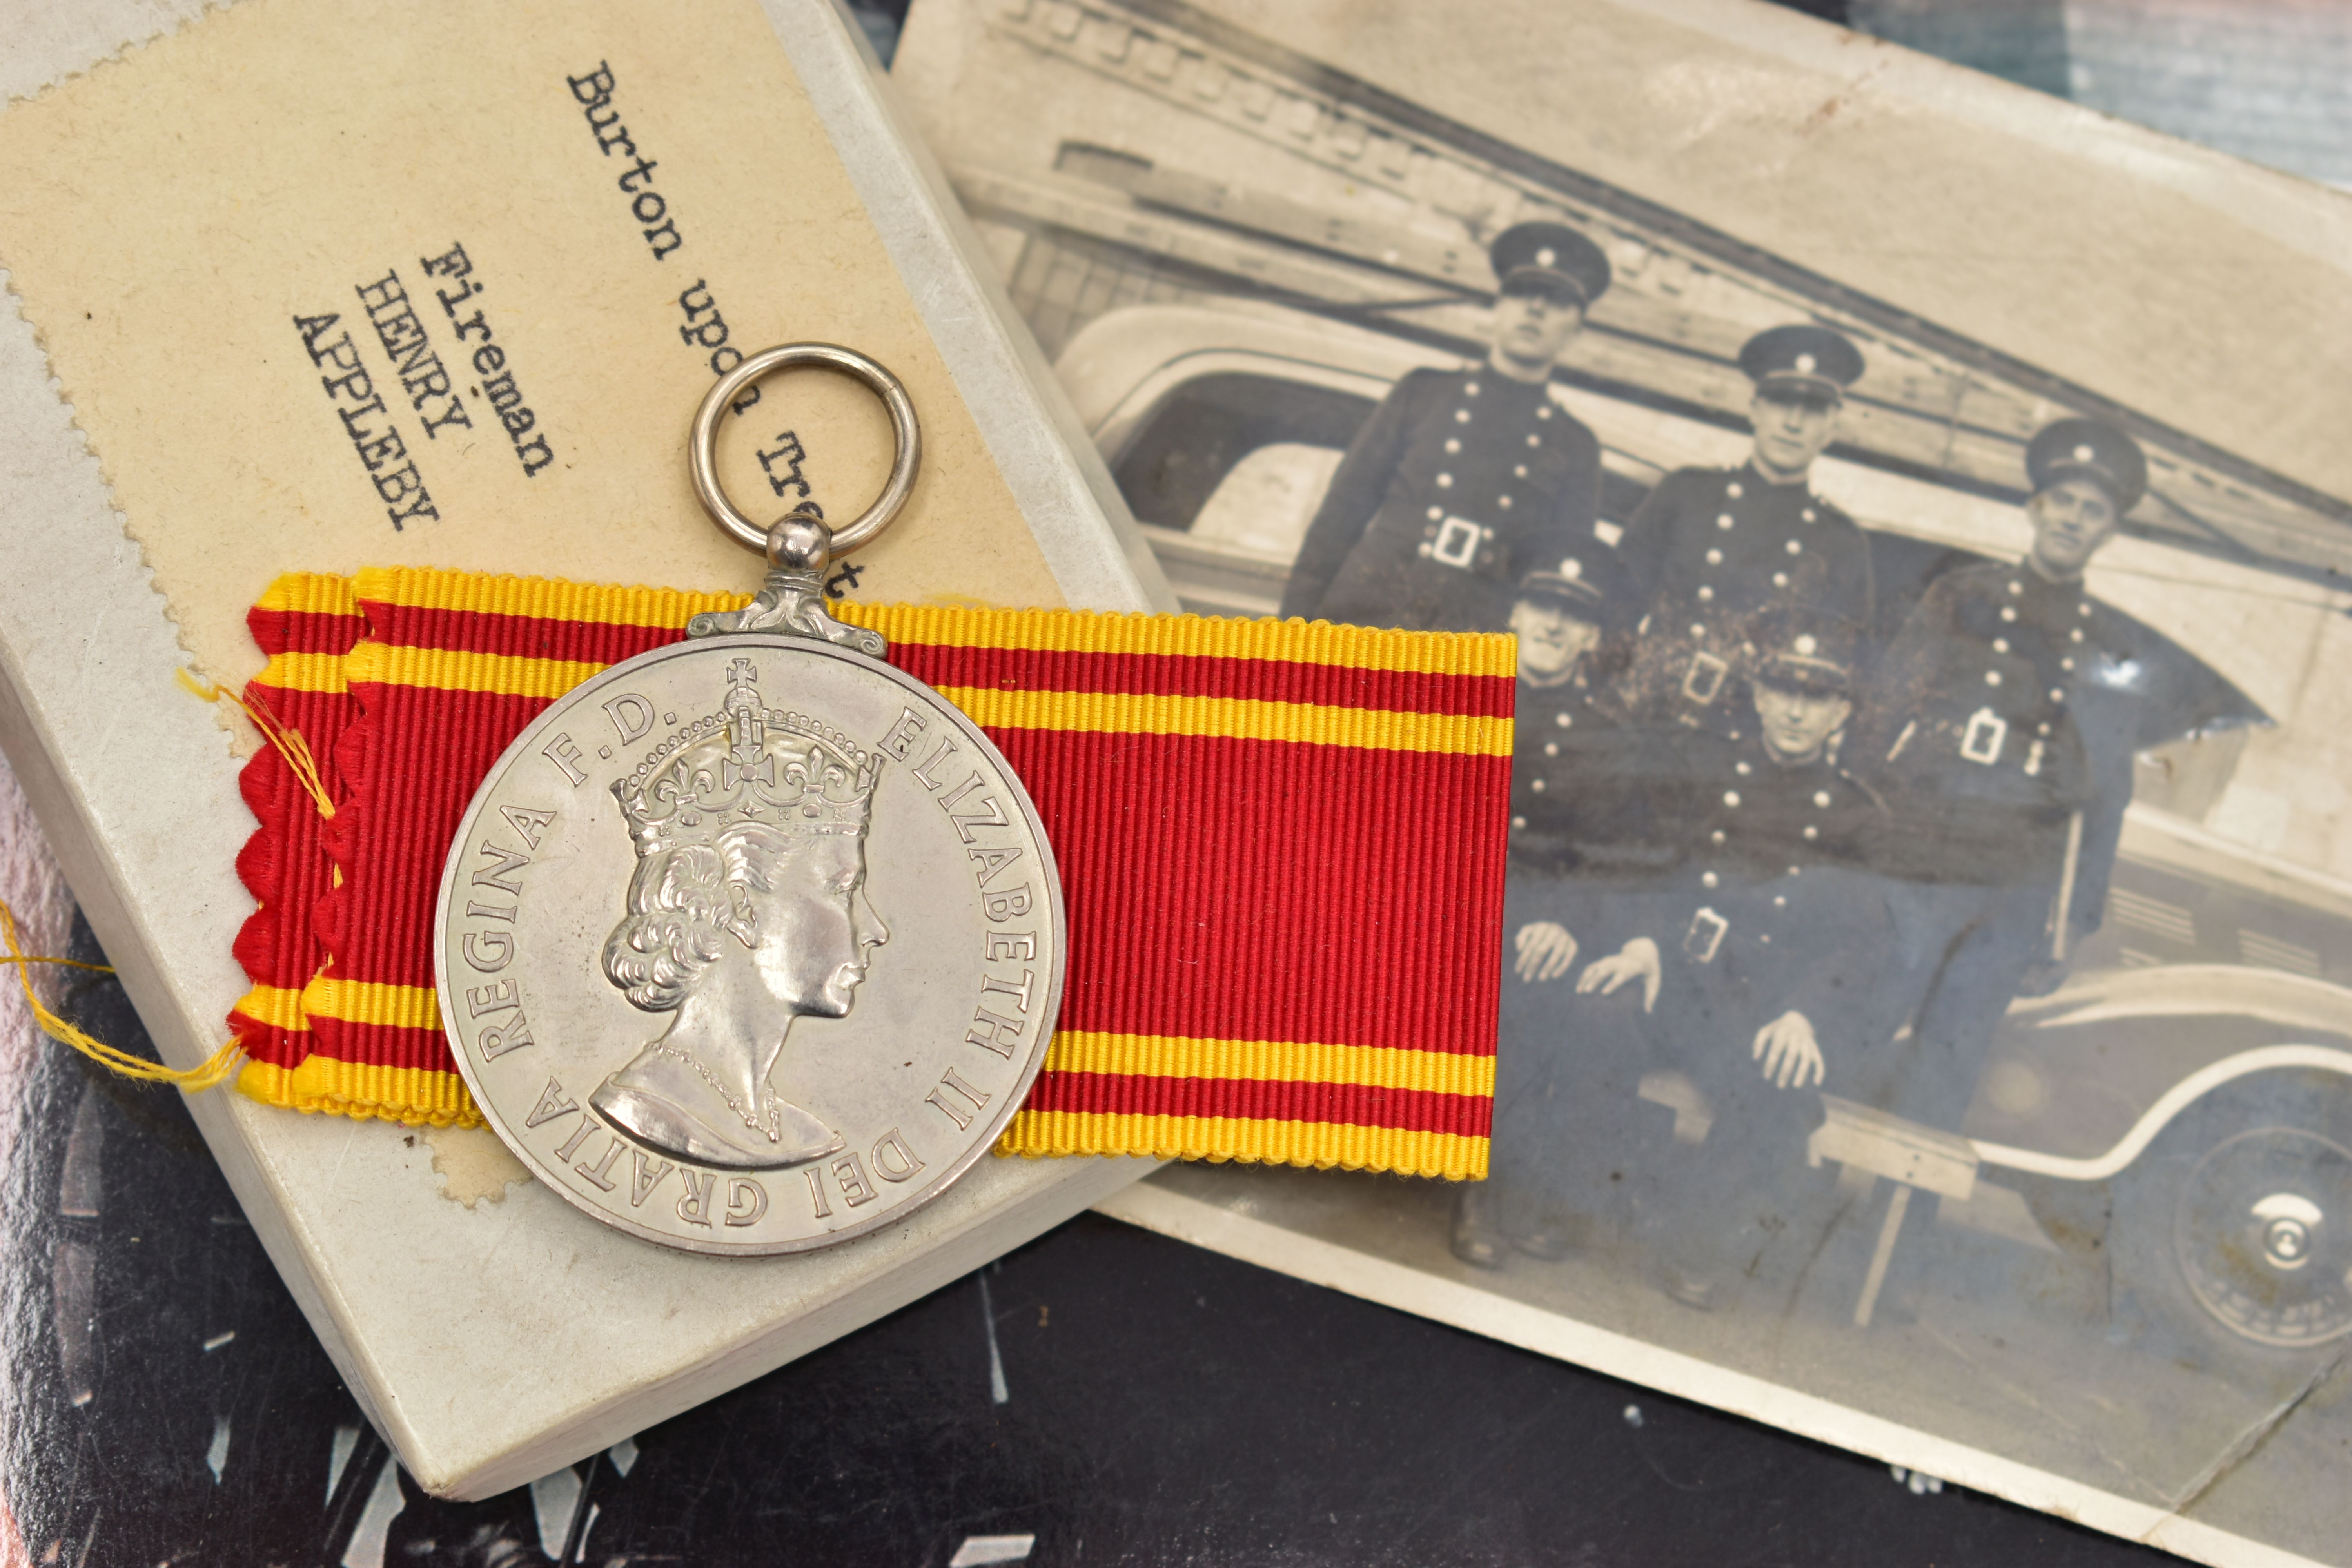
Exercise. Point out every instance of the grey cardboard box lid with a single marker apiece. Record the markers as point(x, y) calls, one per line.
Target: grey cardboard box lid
point(488, 1345)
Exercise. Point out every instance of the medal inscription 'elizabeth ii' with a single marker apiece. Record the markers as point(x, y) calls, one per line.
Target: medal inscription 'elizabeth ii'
point(747, 909)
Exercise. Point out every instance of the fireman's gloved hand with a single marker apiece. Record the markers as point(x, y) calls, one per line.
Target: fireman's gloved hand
point(1545, 951)
point(1637, 960)
point(1791, 1057)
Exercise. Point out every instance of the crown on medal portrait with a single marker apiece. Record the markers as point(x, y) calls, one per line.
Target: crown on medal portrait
point(745, 763)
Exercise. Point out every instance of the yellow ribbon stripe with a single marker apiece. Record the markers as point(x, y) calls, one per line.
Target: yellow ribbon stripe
point(1100, 713)
point(1232, 718)
point(310, 594)
point(1321, 1144)
point(321, 672)
point(1213, 636)
point(449, 669)
point(366, 1002)
point(1270, 1061)
point(274, 1005)
point(540, 598)
point(410, 1095)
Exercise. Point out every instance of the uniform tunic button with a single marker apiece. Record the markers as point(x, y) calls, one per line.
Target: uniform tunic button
point(2083, 608)
point(2066, 664)
point(2042, 729)
point(1699, 631)
point(2057, 694)
point(1469, 389)
point(1544, 412)
point(1811, 832)
point(1519, 822)
point(1704, 593)
point(2001, 645)
point(1536, 785)
point(1743, 770)
point(1992, 678)
point(1551, 748)
point(1708, 879)
point(1733, 490)
point(2015, 587)
point(1715, 836)
point(1766, 938)
point(1534, 439)
point(1503, 501)
point(1520, 472)
point(1437, 514)
point(1731, 798)
point(1454, 443)
point(1822, 798)
point(1779, 900)
point(2074, 636)
point(1780, 579)
point(1445, 481)
point(2008, 612)
point(1715, 557)
point(1723, 521)
point(1796, 870)
point(1807, 514)
point(1796, 547)
point(1562, 720)
point(1462, 416)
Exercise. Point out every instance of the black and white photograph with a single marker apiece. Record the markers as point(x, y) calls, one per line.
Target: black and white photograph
point(1924, 1008)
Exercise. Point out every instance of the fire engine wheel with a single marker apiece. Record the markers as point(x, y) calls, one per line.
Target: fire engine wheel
point(2261, 1230)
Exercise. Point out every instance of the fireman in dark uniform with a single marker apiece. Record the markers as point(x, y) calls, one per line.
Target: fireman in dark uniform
point(2008, 711)
point(1464, 481)
point(1593, 797)
point(1593, 818)
point(1759, 955)
point(1711, 547)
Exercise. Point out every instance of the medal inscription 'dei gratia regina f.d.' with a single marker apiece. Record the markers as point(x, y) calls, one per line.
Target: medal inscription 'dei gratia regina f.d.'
point(752, 943)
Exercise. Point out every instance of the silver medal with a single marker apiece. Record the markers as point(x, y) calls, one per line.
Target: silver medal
point(753, 944)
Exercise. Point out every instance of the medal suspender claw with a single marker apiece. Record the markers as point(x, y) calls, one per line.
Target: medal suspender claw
point(753, 944)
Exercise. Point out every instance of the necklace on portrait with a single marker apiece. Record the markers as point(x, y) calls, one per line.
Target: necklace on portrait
point(772, 1128)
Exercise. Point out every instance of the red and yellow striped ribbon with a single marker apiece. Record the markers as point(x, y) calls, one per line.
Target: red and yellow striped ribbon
point(1281, 847)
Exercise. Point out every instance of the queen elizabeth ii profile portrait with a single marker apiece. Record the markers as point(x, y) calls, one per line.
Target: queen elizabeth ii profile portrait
point(746, 911)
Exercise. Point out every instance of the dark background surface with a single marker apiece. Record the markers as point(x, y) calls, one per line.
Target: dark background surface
point(1163, 1404)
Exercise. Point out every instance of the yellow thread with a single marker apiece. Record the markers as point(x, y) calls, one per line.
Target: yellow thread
point(289, 741)
point(216, 1070)
point(63, 962)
